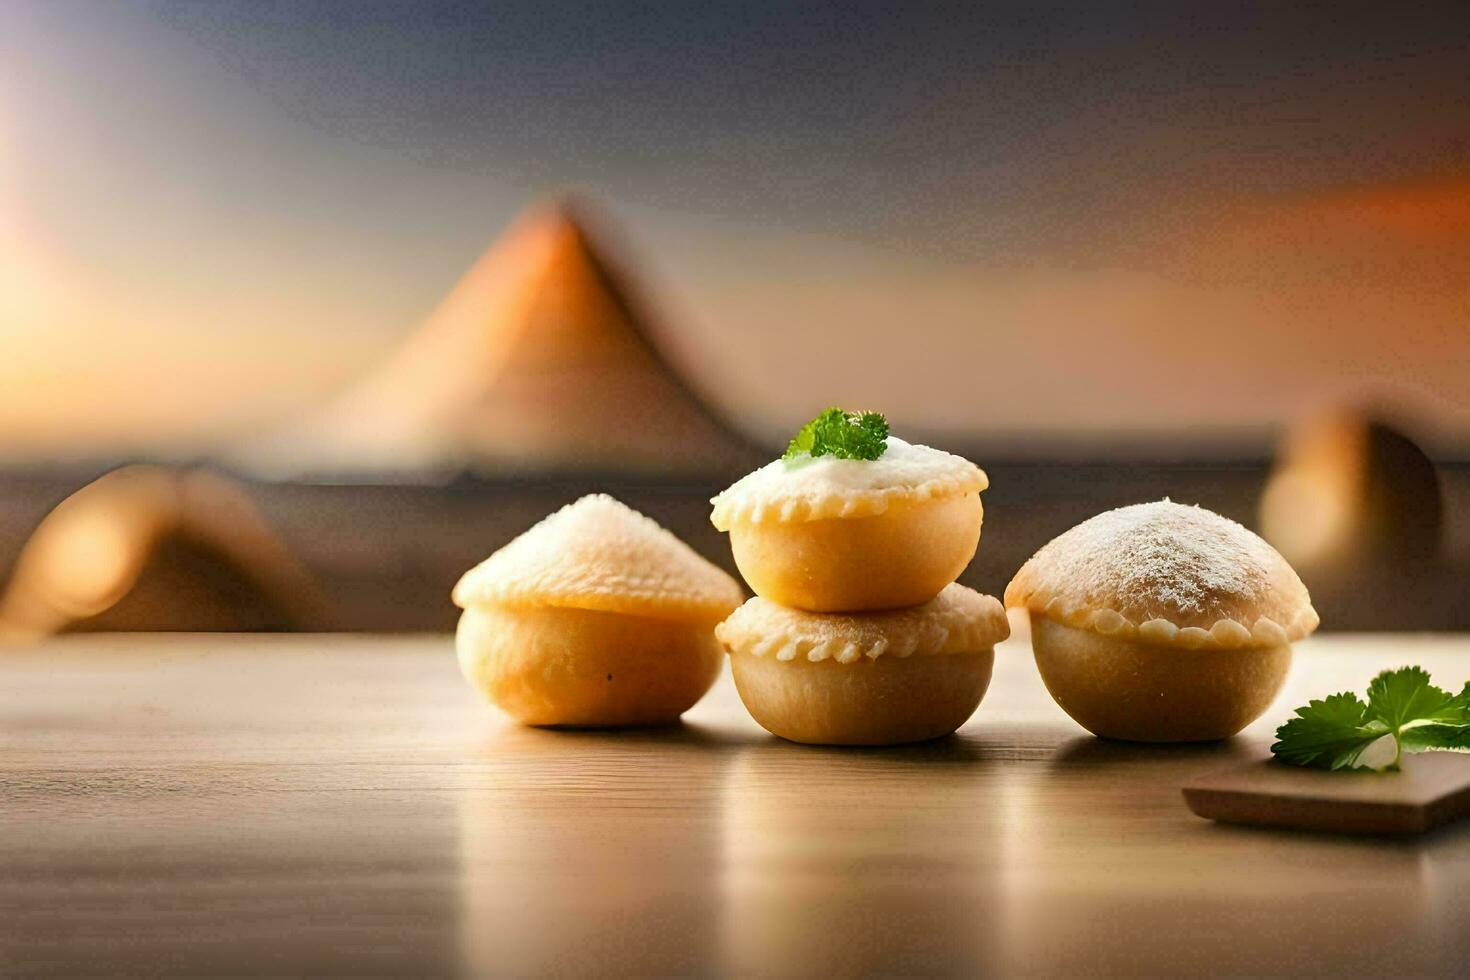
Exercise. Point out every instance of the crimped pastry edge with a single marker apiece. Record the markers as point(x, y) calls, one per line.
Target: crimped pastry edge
point(1224, 634)
point(957, 633)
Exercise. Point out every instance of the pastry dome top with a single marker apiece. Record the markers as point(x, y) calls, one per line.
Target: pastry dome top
point(1167, 574)
point(958, 620)
point(813, 488)
point(600, 554)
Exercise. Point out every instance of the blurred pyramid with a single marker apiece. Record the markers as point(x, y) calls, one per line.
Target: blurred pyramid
point(538, 360)
point(152, 548)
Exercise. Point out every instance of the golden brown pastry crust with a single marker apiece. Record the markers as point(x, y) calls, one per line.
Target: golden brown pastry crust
point(1123, 688)
point(1167, 575)
point(545, 665)
point(901, 557)
point(879, 701)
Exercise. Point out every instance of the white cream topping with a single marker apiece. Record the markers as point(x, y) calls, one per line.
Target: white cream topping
point(809, 488)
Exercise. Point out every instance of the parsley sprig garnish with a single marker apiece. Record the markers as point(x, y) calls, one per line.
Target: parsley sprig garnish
point(845, 435)
point(1334, 733)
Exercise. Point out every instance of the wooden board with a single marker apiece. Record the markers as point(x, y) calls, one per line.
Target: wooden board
point(1432, 789)
point(344, 805)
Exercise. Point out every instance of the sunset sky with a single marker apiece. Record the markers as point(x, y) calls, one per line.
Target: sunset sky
point(1019, 221)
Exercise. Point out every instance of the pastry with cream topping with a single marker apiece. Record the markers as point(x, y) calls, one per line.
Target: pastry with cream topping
point(596, 616)
point(877, 678)
point(852, 542)
point(853, 519)
point(1162, 623)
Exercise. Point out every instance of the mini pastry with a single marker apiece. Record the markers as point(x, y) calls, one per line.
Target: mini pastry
point(879, 678)
point(596, 616)
point(853, 519)
point(1162, 623)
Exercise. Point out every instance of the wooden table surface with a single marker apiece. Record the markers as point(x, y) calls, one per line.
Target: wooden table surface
point(248, 804)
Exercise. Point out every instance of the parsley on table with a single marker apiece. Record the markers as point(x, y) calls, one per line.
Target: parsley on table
point(844, 435)
point(1334, 733)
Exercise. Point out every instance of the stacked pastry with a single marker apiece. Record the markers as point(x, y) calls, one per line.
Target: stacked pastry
point(858, 634)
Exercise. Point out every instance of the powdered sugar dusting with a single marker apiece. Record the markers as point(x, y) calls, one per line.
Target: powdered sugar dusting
point(1186, 565)
point(598, 553)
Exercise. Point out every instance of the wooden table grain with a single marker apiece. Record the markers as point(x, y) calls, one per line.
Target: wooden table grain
point(344, 804)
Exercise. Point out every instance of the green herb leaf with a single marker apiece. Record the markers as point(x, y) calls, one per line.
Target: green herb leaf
point(845, 435)
point(1402, 704)
point(1436, 738)
point(1397, 697)
point(1329, 734)
point(1447, 729)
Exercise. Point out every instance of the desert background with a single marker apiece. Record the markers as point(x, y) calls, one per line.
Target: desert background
point(302, 315)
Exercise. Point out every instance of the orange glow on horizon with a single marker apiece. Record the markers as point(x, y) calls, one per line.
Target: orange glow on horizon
point(1432, 211)
point(1435, 210)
